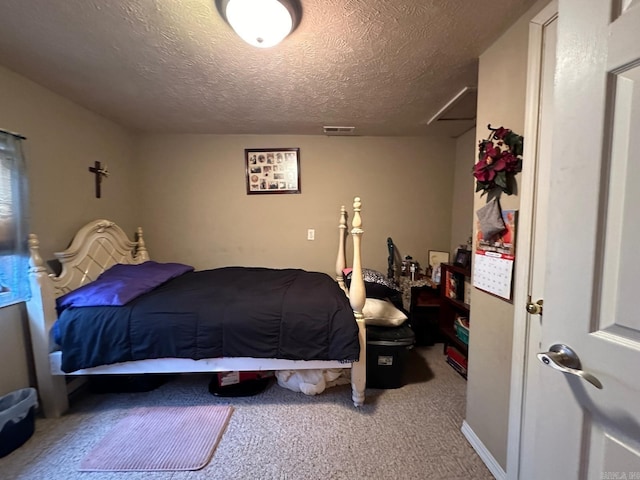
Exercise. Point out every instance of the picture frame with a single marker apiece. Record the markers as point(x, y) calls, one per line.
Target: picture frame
point(463, 258)
point(272, 170)
point(436, 257)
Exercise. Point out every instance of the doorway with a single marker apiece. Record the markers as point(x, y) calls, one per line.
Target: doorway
point(533, 215)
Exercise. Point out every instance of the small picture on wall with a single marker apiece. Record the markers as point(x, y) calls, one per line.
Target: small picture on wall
point(463, 258)
point(437, 257)
point(261, 165)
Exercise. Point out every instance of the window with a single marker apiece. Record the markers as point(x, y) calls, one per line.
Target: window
point(14, 253)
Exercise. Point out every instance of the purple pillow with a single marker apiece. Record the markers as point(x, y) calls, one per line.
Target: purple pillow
point(120, 284)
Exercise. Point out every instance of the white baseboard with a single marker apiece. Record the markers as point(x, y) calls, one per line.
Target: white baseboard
point(484, 454)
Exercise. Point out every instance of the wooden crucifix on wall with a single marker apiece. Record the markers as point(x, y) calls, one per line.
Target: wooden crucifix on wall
point(99, 172)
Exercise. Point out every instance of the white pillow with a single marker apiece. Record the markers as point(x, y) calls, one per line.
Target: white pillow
point(382, 313)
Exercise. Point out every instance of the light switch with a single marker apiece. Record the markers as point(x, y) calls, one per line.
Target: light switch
point(311, 234)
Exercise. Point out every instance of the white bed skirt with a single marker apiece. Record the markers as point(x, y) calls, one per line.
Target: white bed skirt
point(181, 365)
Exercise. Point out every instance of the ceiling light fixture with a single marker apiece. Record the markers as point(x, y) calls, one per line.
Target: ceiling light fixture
point(261, 23)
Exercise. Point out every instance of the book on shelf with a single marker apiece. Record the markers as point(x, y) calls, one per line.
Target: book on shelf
point(459, 368)
point(467, 291)
point(452, 285)
point(455, 286)
point(455, 355)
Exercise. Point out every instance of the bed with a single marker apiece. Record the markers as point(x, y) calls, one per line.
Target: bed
point(101, 245)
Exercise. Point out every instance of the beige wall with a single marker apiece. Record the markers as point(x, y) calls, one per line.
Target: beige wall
point(463, 186)
point(63, 140)
point(14, 349)
point(501, 102)
point(195, 208)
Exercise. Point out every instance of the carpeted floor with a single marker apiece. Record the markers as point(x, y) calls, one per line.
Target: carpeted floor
point(408, 433)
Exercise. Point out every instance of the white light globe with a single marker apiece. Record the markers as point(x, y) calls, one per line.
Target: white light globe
point(261, 23)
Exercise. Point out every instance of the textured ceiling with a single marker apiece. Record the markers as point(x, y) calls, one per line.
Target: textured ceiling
point(383, 66)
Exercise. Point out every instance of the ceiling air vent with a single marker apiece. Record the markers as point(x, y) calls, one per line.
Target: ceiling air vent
point(338, 130)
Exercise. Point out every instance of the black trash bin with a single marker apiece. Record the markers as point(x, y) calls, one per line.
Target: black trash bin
point(387, 351)
point(17, 424)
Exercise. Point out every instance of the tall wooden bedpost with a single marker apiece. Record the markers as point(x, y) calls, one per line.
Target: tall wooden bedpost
point(341, 261)
point(42, 314)
point(141, 248)
point(357, 298)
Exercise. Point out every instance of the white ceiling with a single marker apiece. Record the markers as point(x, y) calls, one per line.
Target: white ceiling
point(383, 66)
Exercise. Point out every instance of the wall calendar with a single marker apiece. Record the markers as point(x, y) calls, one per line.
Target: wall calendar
point(493, 259)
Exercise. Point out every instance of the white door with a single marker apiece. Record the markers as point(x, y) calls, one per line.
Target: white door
point(534, 211)
point(593, 260)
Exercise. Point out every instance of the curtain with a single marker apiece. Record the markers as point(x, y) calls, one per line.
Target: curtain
point(14, 252)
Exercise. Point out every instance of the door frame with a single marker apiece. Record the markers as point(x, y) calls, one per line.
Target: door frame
point(521, 331)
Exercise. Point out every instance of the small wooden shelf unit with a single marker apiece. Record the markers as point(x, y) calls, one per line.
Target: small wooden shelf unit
point(452, 307)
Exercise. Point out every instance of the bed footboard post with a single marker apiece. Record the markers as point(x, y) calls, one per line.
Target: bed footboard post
point(357, 299)
point(359, 368)
point(52, 389)
point(341, 261)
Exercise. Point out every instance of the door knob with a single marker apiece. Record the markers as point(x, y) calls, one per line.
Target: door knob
point(535, 308)
point(563, 358)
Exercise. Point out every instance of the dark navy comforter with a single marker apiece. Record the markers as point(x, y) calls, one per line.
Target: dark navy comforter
point(232, 312)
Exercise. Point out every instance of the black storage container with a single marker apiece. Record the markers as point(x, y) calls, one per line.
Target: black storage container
point(17, 424)
point(387, 351)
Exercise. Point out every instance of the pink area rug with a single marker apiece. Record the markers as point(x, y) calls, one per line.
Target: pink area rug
point(160, 439)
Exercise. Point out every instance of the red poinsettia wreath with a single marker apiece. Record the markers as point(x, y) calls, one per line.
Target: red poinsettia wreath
point(499, 160)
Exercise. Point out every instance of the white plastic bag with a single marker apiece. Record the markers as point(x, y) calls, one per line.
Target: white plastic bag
point(312, 381)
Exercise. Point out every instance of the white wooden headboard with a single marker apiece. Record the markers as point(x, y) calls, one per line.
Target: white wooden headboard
point(95, 248)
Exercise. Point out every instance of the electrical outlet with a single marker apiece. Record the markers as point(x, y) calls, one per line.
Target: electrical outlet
point(311, 234)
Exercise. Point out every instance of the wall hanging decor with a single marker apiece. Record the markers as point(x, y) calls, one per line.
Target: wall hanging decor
point(499, 160)
point(272, 170)
point(494, 257)
point(490, 221)
point(100, 172)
